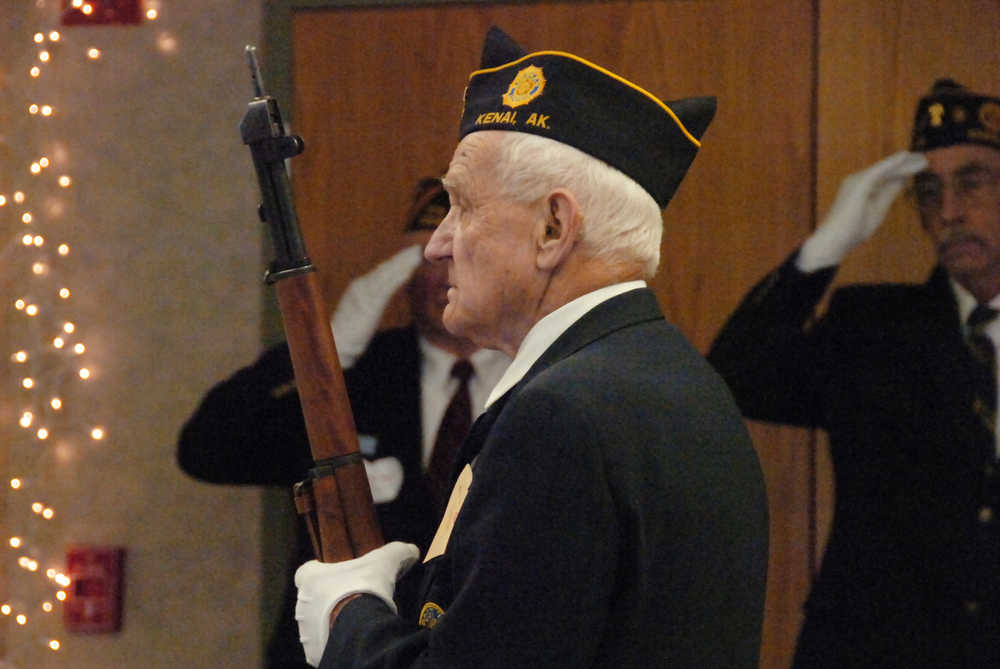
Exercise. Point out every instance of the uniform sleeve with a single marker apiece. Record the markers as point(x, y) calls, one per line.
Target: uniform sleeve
point(369, 634)
point(361, 307)
point(249, 428)
point(771, 353)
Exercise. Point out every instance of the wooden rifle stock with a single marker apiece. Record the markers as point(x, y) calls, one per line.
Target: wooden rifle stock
point(335, 500)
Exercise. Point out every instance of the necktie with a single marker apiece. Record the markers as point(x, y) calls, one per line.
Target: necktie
point(984, 372)
point(453, 430)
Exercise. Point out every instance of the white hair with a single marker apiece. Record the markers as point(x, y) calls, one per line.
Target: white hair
point(621, 221)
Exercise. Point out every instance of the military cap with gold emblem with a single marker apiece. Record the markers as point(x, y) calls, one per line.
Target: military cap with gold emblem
point(952, 114)
point(571, 100)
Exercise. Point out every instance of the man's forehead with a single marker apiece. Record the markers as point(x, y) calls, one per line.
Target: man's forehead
point(472, 149)
point(950, 159)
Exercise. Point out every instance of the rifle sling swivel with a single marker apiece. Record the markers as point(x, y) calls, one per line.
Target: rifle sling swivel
point(328, 466)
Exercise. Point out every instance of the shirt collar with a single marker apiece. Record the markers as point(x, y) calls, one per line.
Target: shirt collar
point(543, 333)
point(967, 301)
point(438, 362)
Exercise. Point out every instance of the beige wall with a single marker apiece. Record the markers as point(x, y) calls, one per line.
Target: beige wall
point(165, 268)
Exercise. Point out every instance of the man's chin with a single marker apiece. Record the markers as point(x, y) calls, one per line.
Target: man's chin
point(452, 323)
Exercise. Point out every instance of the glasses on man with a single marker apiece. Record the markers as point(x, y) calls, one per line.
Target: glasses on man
point(970, 185)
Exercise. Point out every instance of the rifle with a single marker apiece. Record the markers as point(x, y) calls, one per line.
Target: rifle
point(335, 500)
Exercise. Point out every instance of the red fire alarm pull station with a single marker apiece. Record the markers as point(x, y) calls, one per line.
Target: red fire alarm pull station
point(101, 12)
point(94, 597)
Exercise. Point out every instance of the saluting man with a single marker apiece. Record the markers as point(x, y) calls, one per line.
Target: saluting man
point(609, 508)
point(903, 378)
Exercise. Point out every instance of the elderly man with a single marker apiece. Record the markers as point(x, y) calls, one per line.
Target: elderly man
point(608, 509)
point(899, 377)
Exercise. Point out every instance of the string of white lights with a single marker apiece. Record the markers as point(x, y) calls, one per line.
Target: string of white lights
point(48, 368)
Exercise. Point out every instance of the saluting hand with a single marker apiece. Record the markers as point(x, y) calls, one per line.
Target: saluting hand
point(861, 205)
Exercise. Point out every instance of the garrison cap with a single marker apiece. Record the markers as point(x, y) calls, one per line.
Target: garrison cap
point(430, 205)
point(566, 98)
point(952, 114)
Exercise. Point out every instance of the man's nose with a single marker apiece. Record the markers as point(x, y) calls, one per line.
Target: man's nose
point(439, 245)
point(952, 206)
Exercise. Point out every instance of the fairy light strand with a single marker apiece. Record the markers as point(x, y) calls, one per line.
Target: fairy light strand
point(47, 366)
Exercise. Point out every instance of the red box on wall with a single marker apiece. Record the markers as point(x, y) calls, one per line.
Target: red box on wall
point(95, 594)
point(102, 12)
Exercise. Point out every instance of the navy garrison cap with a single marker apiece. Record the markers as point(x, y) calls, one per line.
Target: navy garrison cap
point(952, 114)
point(566, 98)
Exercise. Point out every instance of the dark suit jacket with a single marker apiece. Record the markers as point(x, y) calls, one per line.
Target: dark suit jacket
point(887, 374)
point(616, 518)
point(249, 429)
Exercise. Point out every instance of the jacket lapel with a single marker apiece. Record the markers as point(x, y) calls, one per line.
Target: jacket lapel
point(942, 329)
point(631, 308)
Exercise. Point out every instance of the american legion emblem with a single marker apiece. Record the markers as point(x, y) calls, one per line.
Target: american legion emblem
point(989, 116)
point(430, 615)
point(527, 85)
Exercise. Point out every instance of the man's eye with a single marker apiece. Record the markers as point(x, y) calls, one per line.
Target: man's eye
point(970, 183)
point(927, 190)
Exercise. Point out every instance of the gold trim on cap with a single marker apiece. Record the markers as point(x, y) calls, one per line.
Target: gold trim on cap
point(602, 70)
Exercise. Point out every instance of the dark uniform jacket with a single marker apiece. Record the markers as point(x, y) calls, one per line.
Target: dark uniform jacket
point(911, 576)
point(616, 518)
point(249, 429)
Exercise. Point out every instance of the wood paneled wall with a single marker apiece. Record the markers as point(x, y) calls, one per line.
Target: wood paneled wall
point(808, 91)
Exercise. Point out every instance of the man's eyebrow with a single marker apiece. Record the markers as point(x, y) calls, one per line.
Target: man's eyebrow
point(926, 178)
point(973, 167)
point(453, 184)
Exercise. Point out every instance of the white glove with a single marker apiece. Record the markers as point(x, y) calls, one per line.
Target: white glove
point(323, 584)
point(861, 204)
point(360, 309)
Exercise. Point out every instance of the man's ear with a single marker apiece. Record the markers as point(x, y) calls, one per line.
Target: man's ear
point(561, 229)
